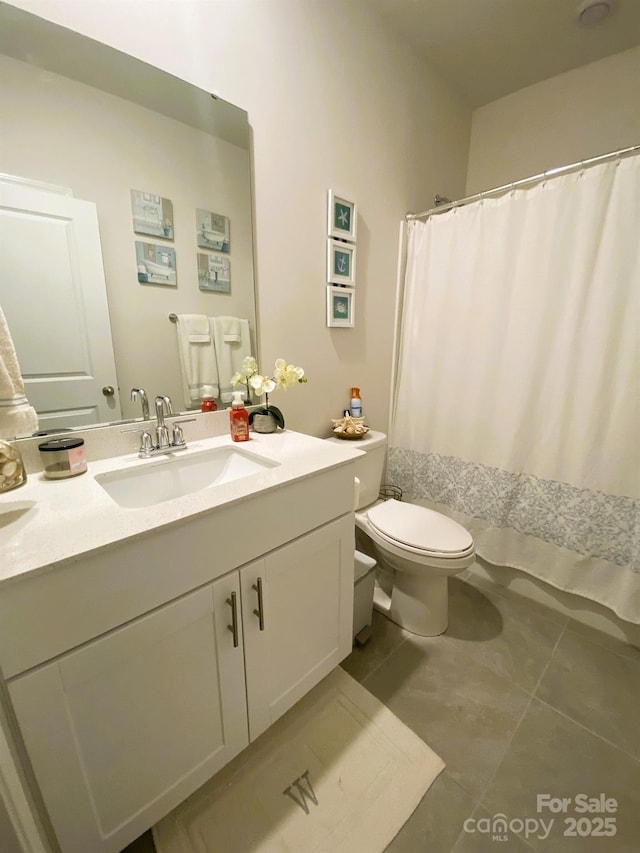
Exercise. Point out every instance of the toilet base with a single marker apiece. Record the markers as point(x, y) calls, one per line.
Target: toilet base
point(418, 604)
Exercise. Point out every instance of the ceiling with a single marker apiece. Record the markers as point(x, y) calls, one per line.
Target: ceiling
point(486, 49)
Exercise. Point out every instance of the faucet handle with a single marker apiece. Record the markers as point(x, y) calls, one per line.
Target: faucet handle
point(177, 438)
point(146, 443)
point(178, 435)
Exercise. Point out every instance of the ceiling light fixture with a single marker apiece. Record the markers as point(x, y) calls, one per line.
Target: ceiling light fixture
point(591, 12)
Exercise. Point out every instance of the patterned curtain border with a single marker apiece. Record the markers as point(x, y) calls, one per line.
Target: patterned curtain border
point(589, 522)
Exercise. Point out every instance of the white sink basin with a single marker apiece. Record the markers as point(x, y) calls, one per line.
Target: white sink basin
point(175, 476)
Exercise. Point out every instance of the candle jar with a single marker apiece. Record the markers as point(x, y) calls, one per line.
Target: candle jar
point(63, 457)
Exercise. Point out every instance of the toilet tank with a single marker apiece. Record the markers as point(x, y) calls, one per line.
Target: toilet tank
point(369, 468)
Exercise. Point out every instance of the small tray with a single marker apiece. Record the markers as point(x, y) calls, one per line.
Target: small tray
point(348, 437)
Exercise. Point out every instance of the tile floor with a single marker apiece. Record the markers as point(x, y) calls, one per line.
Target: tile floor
point(519, 701)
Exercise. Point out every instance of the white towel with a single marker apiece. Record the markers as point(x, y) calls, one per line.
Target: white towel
point(230, 353)
point(198, 364)
point(231, 332)
point(17, 417)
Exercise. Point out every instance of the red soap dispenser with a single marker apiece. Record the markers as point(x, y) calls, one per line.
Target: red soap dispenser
point(239, 418)
point(208, 399)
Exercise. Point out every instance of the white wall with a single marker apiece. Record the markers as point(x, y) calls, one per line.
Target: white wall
point(571, 117)
point(334, 101)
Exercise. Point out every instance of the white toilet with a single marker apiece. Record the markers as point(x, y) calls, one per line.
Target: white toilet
point(416, 548)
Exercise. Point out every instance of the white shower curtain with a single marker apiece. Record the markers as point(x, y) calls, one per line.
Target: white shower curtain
point(518, 380)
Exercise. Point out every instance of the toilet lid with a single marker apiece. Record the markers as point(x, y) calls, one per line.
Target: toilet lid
point(419, 527)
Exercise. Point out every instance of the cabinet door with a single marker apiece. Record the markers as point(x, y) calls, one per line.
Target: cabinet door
point(307, 614)
point(123, 729)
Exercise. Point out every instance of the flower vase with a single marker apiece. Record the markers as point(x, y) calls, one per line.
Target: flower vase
point(264, 423)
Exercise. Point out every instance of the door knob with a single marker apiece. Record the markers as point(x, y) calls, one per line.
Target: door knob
point(108, 390)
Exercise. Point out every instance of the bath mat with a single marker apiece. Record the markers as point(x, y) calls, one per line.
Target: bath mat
point(338, 773)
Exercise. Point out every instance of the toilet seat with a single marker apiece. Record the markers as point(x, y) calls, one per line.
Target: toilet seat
point(420, 530)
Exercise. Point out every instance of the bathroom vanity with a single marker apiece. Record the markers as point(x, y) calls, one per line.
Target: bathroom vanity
point(142, 649)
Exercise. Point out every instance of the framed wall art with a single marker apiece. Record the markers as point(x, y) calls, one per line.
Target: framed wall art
point(152, 214)
point(340, 306)
point(212, 230)
point(214, 273)
point(156, 264)
point(341, 262)
point(342, 217)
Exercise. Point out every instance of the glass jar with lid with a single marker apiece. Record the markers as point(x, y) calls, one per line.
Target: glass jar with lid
point(63, 457)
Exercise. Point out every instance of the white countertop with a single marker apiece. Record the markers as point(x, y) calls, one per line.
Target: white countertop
point(46, 522)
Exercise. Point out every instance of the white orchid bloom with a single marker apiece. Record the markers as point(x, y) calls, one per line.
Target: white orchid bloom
point(286, 374)
point(249, 367)
point(262, 384)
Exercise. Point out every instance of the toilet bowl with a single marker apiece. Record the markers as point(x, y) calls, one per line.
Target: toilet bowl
point(417, 549)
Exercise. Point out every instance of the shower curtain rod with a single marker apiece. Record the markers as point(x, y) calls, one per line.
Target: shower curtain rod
point(442, 208)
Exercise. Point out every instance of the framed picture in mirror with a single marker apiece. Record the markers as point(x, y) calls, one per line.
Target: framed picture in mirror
point(340, 306)
point(342, 217)
point(152, 214)
point(214, 273)
point(156, 264)
point(212, 230)
point(341, 262)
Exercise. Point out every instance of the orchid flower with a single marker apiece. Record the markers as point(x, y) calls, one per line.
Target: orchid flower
point(284, 375)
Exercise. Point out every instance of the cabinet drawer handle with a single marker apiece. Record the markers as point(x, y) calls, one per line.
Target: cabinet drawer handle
point(234, 619)
point(260, 611)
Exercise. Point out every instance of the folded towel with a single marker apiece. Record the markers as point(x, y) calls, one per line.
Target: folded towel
point(229, 353)
point(231, 332)
point(198, 364)
point(17, 417)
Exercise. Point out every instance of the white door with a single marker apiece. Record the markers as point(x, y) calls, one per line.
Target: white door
point(297, 610)
point(124, 728)
point(53, 294)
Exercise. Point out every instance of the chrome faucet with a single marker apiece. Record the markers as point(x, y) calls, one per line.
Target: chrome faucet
point(164, 442)
point(162, 433)
point(140, 392)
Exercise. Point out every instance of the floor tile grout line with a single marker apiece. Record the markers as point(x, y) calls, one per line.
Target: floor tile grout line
point(602, 645)
point(474, 811)
point(630, 755)
point(383, 661)
point(548, 663)
point(563, 713)
point(525, 710)
point(475, 805)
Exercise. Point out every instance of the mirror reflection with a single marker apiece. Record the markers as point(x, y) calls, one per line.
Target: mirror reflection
point(126, 201)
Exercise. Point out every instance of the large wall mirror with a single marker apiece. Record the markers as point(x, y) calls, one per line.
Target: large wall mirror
point(155, 169)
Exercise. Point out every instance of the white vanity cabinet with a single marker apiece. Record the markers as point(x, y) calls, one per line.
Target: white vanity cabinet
point(297, 610)
point(121, 729)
